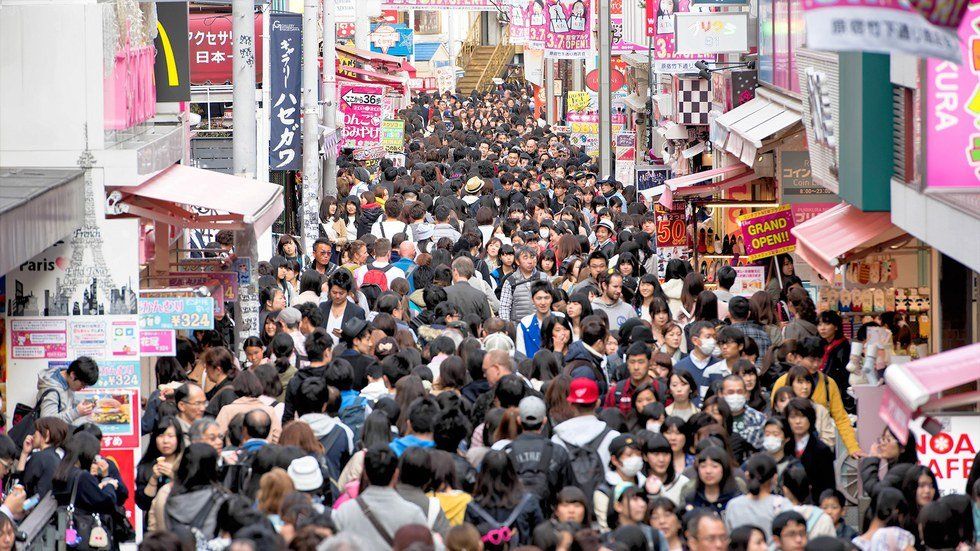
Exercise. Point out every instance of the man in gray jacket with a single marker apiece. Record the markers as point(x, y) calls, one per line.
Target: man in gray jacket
point(56, 388)
point(515, 293)
point(378, 512)
point(461, 293)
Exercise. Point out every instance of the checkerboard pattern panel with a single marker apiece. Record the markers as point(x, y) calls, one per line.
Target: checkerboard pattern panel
point(693, 101)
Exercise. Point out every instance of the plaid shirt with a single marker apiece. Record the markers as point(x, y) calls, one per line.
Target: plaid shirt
point(759, 335)
point(749, 426)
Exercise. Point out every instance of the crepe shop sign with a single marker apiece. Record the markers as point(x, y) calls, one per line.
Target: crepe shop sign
point(767, 232)
point(711, 33)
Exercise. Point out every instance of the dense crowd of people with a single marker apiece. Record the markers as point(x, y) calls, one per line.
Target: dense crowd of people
point(485, 350)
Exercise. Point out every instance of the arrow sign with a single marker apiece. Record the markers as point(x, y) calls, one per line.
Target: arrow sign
point(361, 98)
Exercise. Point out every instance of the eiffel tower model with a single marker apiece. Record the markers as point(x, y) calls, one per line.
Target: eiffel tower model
point(80, 275)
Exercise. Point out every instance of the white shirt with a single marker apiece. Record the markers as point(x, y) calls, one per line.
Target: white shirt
point(391, 274)
point(334, 322)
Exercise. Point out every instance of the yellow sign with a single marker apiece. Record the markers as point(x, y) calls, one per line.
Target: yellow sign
point(578, 102)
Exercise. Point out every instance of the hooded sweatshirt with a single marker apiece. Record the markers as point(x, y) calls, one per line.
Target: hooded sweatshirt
point(340, 450)
point(673, 290)
point(182, 509)
point(618, 312)
point(62, 394)
point(582, 361)
point(370, 213)
point(799, 328)
point(579, 431)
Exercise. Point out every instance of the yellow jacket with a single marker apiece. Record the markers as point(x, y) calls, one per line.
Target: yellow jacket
point(834, 404)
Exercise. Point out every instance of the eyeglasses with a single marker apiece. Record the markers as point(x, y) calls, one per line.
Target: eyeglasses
point(794, 534)
point(7, 465)
point(198, 403)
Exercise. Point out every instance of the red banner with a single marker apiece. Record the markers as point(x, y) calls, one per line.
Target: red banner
point(209, 40)
point(125, 461)
point(671, 225)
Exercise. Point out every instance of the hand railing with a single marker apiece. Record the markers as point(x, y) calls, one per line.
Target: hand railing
point(470, 44)
point(502, 54)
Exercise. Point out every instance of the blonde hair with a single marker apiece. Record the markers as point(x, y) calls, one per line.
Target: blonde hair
point(274, 486)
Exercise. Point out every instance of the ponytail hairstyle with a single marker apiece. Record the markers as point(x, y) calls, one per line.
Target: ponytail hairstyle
point(759, 469)
point(220, 357)
point(283, 348)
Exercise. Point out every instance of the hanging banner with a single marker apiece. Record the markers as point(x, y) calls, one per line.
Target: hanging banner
point(537, 25)
point(671, 225)
point(361, 106)
point(952, 98)
point(285, 49)
point(179, 313)
point(534, 66)
point(881, 26)
point(520, 12)
point(471, 5)
point(660, 26)
point(569, 29)
point(767, 232)
point(626, 157)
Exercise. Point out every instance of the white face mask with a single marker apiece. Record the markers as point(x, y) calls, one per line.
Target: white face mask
point(716, 352)
point(632, 465)
point(544, 232)
point(654, 426)
point(772, 443)
point(707, 346)
point(735, 401)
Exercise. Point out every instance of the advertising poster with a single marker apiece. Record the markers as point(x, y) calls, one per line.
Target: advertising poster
point(396, 40)
point(361, 106)
point(58, 282)
point(537, 25)
point(88, 337)
point(179, 313)
point(228, 281)
point(767, 232)
point(711, 33)
point(569, 29)
point(949, 454)
point(286, 46)
point(626, 158)
point(520, 12)
point(650, 180)
point(126, 461)
point(117, 415)
point(952, 98)
point(749, 280)
point(471, 5)
point(393, 135)
point(210, 48)
point(38, 339)
point(880, 26)
point(660, 27)
point(123, 338)
point(671, 225)
point(158, 342)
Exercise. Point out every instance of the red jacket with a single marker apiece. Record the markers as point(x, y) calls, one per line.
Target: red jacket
point(625, 391)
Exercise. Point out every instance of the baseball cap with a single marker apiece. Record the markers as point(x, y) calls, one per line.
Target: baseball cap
point(290, 316)
point(532, 411)
point(305, 473)
point(622, 442)
point(583, 391)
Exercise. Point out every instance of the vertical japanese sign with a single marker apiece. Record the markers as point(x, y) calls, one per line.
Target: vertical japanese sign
point(583, 120)
point(660, 26)
point(361, 106)
point(884, 26)
point(537, 25)
point(952, 98)
point(626, 158)
point(569, 29)
point(520, 11)
point(172, 63)
point(285, 48)
point(393, 135)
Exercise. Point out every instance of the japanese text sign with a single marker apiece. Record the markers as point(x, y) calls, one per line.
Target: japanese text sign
point(952, 97)
point(949, 454)
point(519, 10)
point(393, 135)
point(884, 26)
point(361, 106)
point(569, 29)
point(37, 338)
point(397, 40)
point(117, 415)
point(185, 313)
point(537, 25)
point(209, 40)
point(767, 232)
point(671, 226)
point(285, 48)
point(158, 342)
point(711, 33)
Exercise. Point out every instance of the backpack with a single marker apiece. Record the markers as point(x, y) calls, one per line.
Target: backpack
point(197, 523)
point(375, 282)
point(332, 472)
point(535, 476)
point(238, 476)
point(381, 225)
point(24, 418)
point(501, 533)
point(587, 468)
point(353, 416)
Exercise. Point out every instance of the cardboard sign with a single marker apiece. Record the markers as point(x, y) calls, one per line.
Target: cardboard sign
point(767, 232)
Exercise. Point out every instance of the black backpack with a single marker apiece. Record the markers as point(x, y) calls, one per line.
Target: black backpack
point(587, 468)
point(331, 474)
point(534, 476)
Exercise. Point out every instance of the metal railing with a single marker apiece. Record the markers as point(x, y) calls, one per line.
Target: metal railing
point(501, 56)
point(469, 46)
point(44, 528)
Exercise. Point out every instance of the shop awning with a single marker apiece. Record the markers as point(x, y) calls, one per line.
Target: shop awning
point(38, 207)
point(826, 240)
point(189, 197)
point(757, 125)
point(390, 61)
point(635, 102)
point(717, 187)
point(914, 386)
point(703, 176)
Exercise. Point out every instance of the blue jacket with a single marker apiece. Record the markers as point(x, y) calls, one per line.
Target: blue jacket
point(399, 445)
point(711, 373)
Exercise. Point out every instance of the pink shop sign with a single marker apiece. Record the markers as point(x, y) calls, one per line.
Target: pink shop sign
point(361, 106)
point(129, 93)
point(952, 97)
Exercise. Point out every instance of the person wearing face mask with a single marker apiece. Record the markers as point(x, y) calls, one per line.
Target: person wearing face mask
point(774, 439)
point(701, 363)
point(746, 422)
point(625, 466)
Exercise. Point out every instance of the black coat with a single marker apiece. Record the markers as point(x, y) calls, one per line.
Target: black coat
point(360, 363)
point(836, 369)
point(350, 311)
point(872, 484)
point(292, 389)
point(818, 461)
point(529, 517)
point(39, 470)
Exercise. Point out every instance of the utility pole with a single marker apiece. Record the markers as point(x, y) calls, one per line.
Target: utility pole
point(243, 94)
point(329, 94)
point(311, 125)
point(605, 98)
point(549, 90)
point(362, 28)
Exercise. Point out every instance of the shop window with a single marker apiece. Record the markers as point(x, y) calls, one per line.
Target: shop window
point(781, 32)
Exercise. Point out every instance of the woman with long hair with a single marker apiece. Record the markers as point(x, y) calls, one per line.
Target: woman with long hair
point(274, 486)
point(579, 307)
point(648, 290)
point(195, 492)
point(556, 336)
point(693, 286)
point(887, 513)
point(803, 312)
point(503, 512)
point(289, 248)
point(762, 312)
point(836, 354)
point(801, 382)
point(159, 462)
point(377, 431)
point(715, 485)
point(568, 246)
point(349, 212)
point(675, 430)
point(492, 253)
point(664, 515)
point(683, 395)
point(673, 285)
point(662, 477)
point(920, 488)
point(777, 285)
point(94, 494)
point(887, 463)
point(547, 263)
point(758, 398)
point(808, 448)
point(333, 226)
point(282, 353)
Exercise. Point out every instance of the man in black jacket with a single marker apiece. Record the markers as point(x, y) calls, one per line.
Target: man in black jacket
point(543, 466)
point(319, 347)
point(360, 347)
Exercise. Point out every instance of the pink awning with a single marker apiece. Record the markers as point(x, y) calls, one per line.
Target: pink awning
point(822, 240)
point(739, 179)
point(698, 177)
point(914, 385)
point(189, 197)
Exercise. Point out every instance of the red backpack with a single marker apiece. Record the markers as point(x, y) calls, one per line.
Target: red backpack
point(376, 276)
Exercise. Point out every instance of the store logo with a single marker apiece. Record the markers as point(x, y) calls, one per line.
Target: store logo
point(385, 37)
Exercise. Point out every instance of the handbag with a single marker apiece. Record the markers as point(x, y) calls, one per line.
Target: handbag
point(85, 531)
point(24, 418)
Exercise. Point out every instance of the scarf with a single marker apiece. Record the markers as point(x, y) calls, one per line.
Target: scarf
point(826, 353)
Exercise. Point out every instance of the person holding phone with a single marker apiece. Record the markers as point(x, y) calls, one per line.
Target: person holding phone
point(339, 308)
